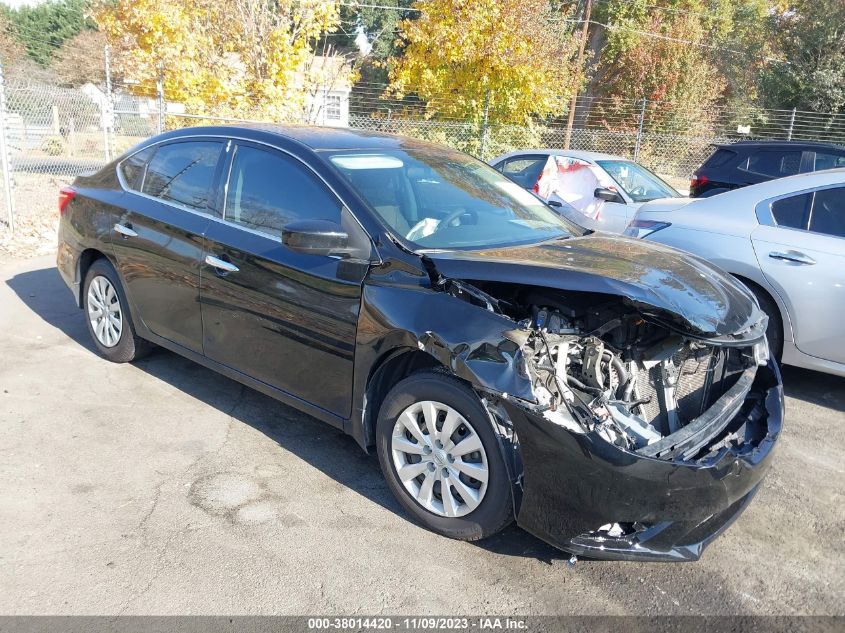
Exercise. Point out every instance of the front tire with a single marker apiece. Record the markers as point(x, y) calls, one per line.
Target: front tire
point(440, 456)
point(107, 315)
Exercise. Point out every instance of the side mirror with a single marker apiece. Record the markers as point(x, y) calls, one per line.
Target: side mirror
point(608, 195)
point(554, 203)
point(315, 237)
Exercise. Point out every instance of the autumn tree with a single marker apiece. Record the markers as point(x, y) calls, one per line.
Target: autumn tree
point(688, 57)
point(462, 57)
point(81, 59)
point(238, 57)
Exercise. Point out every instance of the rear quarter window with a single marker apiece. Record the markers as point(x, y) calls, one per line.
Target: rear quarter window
point(720, 157)
point(132, 168)
point(794, 211)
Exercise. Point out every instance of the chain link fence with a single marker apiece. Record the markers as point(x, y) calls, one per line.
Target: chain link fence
point(49, 135)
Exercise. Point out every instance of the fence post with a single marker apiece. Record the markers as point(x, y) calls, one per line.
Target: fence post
point(640, 131)
point(108, 107)
point(484, 124)
point(5, 157)
point(160, 96)
point(791, 125)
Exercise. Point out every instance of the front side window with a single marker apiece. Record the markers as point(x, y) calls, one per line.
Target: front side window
point(794, 211)
point(183, 173)
point(442, 199)
point(773, 163)
point(828, 215)
point(268, 190)
point(638, 182)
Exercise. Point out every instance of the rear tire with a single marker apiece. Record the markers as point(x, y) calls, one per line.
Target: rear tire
point(440, 453)
point(774, 330)
point(107, 315)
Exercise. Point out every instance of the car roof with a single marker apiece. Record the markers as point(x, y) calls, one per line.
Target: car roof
point(590, 157)
point(780, 143)
point(314, 137)
point(775, 187)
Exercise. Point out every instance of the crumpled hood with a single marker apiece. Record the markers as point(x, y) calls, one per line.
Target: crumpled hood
point(699, 298)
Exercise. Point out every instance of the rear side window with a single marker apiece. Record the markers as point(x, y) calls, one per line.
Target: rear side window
point(525, 171)
point(828, 161)
point(719, 158)
point(773, 163)
point(828, 214)
point(268, 190)
point(793, 212)
point(132, 169)
point(182, 173)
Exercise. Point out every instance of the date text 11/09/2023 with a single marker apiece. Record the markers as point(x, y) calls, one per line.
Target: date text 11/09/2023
point(481, 623)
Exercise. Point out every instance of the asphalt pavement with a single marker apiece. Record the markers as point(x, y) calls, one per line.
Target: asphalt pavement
point(161, 487)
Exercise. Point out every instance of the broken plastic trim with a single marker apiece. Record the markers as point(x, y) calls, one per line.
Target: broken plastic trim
point(689, 439)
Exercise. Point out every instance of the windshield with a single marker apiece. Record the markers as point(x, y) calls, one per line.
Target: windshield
point(638, 182)
point(442, 199)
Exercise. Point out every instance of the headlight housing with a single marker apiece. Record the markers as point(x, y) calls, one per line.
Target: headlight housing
point(643, 228)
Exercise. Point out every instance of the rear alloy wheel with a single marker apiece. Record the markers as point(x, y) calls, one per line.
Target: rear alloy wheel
point(107, 315)
point(441, 457)
point(104, 312)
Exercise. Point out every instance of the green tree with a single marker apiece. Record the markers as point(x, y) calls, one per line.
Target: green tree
point(43, 28)
point(810, 36)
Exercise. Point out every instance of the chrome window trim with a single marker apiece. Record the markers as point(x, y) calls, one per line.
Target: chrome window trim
point(377, 260)
point(765, 216)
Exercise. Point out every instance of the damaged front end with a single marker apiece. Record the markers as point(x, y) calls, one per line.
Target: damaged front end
point(642, 441)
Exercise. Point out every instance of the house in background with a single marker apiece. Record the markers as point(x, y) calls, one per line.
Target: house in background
point(328, 81)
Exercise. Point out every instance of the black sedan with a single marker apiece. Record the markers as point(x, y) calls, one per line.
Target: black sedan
point(614, 397)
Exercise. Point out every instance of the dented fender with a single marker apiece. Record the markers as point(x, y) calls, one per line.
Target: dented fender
point(475, 344)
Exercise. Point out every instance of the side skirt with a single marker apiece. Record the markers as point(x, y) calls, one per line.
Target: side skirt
point(268, 390)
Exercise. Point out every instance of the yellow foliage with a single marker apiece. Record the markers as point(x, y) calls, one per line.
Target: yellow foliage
point(241, 58)
point(520, 52)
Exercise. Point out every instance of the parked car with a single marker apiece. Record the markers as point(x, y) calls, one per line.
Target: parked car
point(613, 396)
point(751, 162)
point(607, 190)
point(785, 239)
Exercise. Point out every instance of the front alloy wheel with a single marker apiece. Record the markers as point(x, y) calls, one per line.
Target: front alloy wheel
point(440, 459)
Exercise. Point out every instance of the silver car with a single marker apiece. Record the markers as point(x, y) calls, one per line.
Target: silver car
point(786, 240)
point(606, 190)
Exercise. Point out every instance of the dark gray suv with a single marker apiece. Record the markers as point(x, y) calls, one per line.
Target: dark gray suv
point(751, 162)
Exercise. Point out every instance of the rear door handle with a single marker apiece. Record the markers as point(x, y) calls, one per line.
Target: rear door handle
point(221, 264)
point(125, 231)
point(793, 257)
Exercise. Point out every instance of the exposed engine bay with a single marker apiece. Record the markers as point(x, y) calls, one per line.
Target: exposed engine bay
point(597, 364)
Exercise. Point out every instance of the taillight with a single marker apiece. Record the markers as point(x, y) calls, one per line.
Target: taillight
point(698, 181)
point(66, 194)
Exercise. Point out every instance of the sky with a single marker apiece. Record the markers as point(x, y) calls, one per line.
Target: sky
point(19, 3)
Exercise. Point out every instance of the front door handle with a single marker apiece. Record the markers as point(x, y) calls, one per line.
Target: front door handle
point(125, 231)
point(794, 257)
point(221, 264)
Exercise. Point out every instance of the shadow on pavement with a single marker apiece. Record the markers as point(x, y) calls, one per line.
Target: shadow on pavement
point(814, 387)
point(332, 452)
